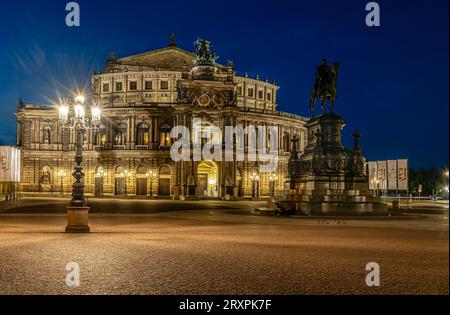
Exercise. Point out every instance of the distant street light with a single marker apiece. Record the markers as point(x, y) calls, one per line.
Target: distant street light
point(446, 173)
point(62, 175)
point(377, 184)
point(273, 178)
point(254, 179)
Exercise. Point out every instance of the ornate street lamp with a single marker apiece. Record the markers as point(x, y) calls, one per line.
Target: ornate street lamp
point(62, 175)
point(78, 211)
point(254, 178)
point(150, 178)
point(377, 185)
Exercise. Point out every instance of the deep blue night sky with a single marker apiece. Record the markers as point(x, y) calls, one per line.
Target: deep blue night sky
point(393, 83)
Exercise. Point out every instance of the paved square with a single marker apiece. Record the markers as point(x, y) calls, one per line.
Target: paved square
point(218, 251)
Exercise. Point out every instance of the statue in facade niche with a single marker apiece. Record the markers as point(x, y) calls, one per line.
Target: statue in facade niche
point(46, 177)
point(46, 135)
point(325, 84)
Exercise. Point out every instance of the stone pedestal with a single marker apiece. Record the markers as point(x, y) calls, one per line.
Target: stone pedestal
point(328, 178)
point(78, 220)
point(192, 190)
point(176, 192)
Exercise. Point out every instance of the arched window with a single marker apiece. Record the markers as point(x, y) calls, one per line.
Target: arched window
point(165, 135)
point(119, 170)
point(286, 142)
point(99, 171)
point(100, 137)
point(120, 135)
point(141, 170)
point(143, 133)
point(164, 170)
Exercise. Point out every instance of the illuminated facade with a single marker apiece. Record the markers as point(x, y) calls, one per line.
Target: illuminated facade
point(142, 98)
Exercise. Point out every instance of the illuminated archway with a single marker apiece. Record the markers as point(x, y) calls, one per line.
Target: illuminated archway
point(208, 179)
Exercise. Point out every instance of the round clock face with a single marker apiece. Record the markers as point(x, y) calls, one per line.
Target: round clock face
point(203, 100)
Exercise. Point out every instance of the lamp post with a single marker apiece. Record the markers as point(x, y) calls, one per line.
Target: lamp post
point(377, 185)
point(78, 211)
point(150, 178)
point(254, 178)
point(62, 175)
point(446, 174)
point(127, 175)
point(272, 180)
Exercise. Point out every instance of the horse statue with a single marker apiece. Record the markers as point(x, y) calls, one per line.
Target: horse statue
point(325, 86)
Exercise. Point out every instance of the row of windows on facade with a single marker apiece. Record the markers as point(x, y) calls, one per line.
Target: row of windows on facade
point(120, 135)
point(164, 85)
point(251, 93)
point(143, 136)
point(133, 86)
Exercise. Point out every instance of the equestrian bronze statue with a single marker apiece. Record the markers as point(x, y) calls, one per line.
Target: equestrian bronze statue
point(324, 88)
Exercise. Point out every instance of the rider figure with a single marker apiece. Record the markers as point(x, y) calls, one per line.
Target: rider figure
point(323, 75)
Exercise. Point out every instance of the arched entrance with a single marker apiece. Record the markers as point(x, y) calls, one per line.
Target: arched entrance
point(208, 179)
point(119, 181)
point(164, 181)
point(141, 181)
point(99, 178)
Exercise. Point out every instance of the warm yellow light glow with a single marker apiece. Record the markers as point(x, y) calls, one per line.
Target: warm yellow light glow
point(96, 112)
point(101, 174)
point(79, 111)
point(103, 139)
point(63, 112)
point(80, 99)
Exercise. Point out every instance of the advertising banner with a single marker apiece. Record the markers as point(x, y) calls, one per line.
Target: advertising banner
point(392, 174)
point(9, 164)
point(402, 174)
point(382, 175)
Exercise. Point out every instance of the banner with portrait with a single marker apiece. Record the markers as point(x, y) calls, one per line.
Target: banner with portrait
point(9, 164)
point(392, 174)
point(402, 174)
point(373, 175)
point(382, 175)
